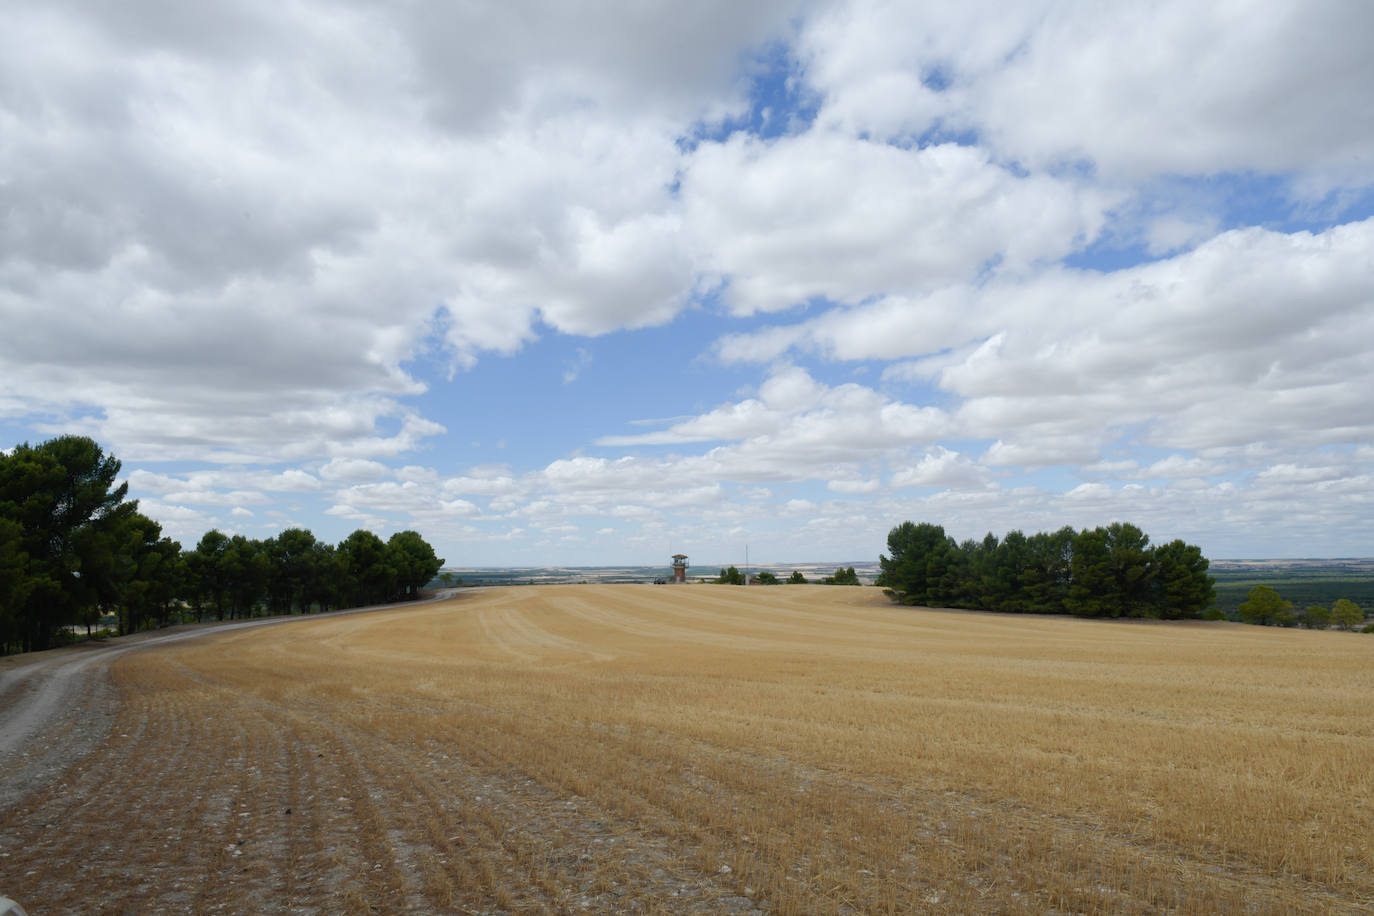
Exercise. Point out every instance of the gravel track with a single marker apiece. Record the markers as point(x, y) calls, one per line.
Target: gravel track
point(59, 705)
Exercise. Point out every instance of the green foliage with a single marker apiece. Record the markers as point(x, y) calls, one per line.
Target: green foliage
point(207, 569)
point(1304, 584)
point(1315, 617)
point(1113, 573)
point(918, 564)
point(300, 572)
point(796, 578)
point(1264, 607)
point(767, 578)
point(414, 562)
point(1346, 614)
point(368, 577)
point(14, 583)
point(1181, 584)
point(842, 577)
point(1102, 572)
point(1092, 591)
point(731, 576)
point(1214, 613)
point(71, 540)
point(73, 550)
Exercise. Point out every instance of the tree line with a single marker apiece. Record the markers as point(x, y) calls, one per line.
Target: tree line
point(1265, 607)
point(74, 549)
point(733, 576)
point(1102, 572)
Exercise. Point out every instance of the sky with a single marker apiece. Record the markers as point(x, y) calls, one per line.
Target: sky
point(589, 283)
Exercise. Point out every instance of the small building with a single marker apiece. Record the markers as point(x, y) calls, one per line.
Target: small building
point(680, 567)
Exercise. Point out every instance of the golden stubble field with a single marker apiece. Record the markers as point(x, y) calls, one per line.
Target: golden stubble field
point(708, 749)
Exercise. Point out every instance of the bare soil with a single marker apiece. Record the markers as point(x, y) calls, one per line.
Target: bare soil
point(624, 749)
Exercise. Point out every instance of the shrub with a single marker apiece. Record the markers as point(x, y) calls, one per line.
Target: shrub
point(1346, 614)
point(1315, 617)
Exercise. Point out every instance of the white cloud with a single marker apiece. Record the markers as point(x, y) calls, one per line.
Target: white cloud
point(208, 497)
point(1179, 466)
point(352, 470)
point(1283, 474)
point(824, 215)
point(854, 487)
point(230, 237)
point(1168, 88)
point(941, 468)
point(795, 417)
point(259, 239)
point(1252, 336)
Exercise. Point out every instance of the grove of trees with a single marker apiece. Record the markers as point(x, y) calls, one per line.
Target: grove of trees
point(731, 576)
point(1102, 572)
point(73, 549)
point(842, 577)
point(1265, 607)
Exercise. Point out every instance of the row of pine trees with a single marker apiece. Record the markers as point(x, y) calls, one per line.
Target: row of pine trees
point(74, 549)
point(1099, 572)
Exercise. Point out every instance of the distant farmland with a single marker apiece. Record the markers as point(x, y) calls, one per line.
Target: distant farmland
point(1303, 582)
point(716, 750)
point(606, 575)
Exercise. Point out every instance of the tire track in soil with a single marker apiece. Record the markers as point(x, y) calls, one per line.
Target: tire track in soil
point(969, 834)
point(408, 807)
point(495, 811)
point(514, 831)
point(283, 802)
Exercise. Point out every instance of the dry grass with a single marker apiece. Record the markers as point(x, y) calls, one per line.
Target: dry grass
point(707, 749)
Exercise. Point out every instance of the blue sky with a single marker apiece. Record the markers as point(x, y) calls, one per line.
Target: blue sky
point(575, 285)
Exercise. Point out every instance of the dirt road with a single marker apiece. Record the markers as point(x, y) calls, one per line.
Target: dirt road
point(55, 706)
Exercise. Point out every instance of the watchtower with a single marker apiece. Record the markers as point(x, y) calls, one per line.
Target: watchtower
point(680, 567)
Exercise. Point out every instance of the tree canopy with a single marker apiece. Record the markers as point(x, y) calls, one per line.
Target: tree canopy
point(1262, 605)
point(73, 549)
point(72, 541)
point(1102, 572)
point(731, 576)
point(842, 577)
point(1346, 614)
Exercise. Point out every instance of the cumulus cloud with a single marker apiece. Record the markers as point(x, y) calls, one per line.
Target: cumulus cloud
point(793, 414)
point(1172, 88)
point(254, 251)
point(352, 469)
point(833, 216)
point(1253, 336)
point(231, 236)
point(940, 468)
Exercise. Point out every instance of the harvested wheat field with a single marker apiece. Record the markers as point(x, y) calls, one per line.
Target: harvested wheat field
point(717, 750)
